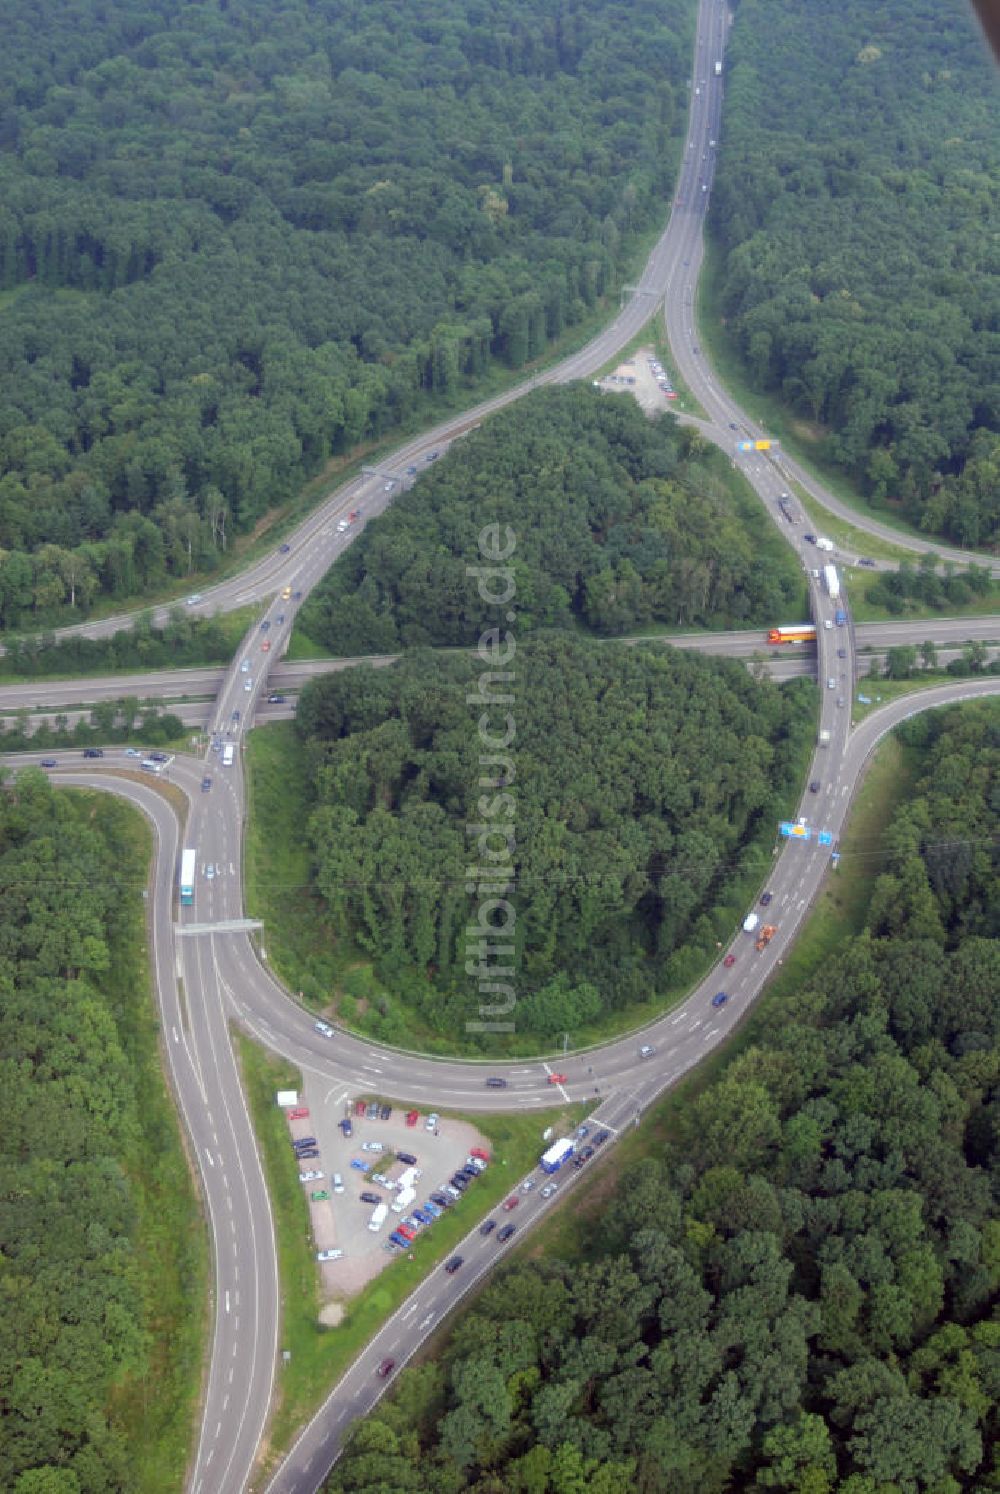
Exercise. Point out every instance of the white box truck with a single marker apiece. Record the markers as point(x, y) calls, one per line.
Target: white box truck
point(378, 1218)
point(832, 581)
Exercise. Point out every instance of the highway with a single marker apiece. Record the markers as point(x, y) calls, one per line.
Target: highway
point(207, 970)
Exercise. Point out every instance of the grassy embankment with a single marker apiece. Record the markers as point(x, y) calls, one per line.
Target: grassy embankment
point(319, 1356)
point(157, 1412)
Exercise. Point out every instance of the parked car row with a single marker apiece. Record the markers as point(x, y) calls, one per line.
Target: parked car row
point(449, 1193)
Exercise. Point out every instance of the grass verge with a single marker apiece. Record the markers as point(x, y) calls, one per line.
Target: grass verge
point(319, 1356)
point(157, 1412)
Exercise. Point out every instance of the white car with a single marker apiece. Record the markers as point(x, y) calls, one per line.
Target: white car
point(431, 1123)
point(329, 1255)
point(245, 666)
point(647, 1050)
point(312, 1176)
point(372, 1146)
point(527, 1185)
point(828, 625)
point(338, 1183)
point(548, 1190)
point(323, 1028)
point(342, 526)
point(248, 685)
point(209, 870)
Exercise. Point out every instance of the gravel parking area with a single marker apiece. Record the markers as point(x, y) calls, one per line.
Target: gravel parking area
point(341, 1221)
point(641, 377)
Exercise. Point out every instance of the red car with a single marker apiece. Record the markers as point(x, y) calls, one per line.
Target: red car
point(412, 1116)
point(298, 1115)
point(477, 1151)
point(406, 1232)
point(354, 514)
point(729, 961)
point(512, 1203)
point(557, 1078)
point(386, 1368)
point(359, 1107)
point(265, 645)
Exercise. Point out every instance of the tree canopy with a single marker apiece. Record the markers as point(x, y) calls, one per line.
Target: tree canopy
point(237, 239)
point(856, 207)
point(618, 522)
point(796, 1290)
point(642, 782)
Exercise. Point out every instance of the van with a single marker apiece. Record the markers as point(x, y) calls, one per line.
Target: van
point(228, 753)
point(750, 923)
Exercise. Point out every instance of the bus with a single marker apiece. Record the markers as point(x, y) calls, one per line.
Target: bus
point(557, 1154)
point(187, 878)
point(793, 633)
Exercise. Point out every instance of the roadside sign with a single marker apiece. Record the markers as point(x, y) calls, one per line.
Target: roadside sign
point(825, 838)
point(794, 831)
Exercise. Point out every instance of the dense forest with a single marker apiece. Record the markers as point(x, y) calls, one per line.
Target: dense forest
point(798, 1291)
point(644, 784)
point(77, 1324)
point(857, 210)
point(618, 522)
point(235, 239)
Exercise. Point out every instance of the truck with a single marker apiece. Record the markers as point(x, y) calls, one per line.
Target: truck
point(188, 859)
point(831, 581)
point(824, 737)
point(750, 923)
point(824, 544)
point(378, 1218)
point(228, 753)
point(765, 936)
point(558, 1153)
point(718, 69)
point(841, 617)
point(403, 1199)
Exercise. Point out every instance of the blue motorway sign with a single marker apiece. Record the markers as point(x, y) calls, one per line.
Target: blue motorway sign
point(825, 838)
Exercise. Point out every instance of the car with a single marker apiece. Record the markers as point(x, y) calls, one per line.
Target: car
point(814, 787)
point(422, 1216)
point(360, 1106)
point(311, 1176)
point(384, 1112)
point(457, 1181)
point(248, 685)
point(411, 471)
point(582, 1131)
point(299, 1114)
point(206, 784)
point(310, 1154)
point(276, 700)
point(477, 1151)
point(828, 625)
point(380, 1178)
point(487, 1227)
point(809, 538)
point(338, 1182)
point(511, 1203)
point(245, 667)
point(431, 1123)
point(602, 1137)
point(441, 1201)
point(433, 1209)
point(387, 487)
point(296, 596)
point(49, 762)
point(412, 1116)
point(432, 456)
point(453, 1193)
point(841, 701)
point(372, 1146)
point(323, 1028)
point(355, 513)
point(719, 999)
point(236, 715)
point(733, 426)
point(453, 1265)
point(729, 961)
point(841, 653)
point(193, 599)
point(283, 549)
point(345, 1126)
point(210, 870)
point(386, 1368)
point(647, 1050)
point(320, 1196)
point(548, 1190)
point(286, 592)
point(329, 1255)
point(527, 1185)
point(397, 1238)
point(765, 898)
point(557, 1079)
point(93, 752)
point(280, 618)
point(371, 1110)
point(505, 1233)
point(496, 1083)
point(406, 1157)
point(831, 683)
point(866, 560)
point(265, 646)
point(471, 1173)
point(265, 625)
point(305, 1141)
point(369, 1198)
point(814, 573)
point(158, 757)
point(342, 526)
point(132, 752)
point(407, 1231)
point(360, 1164)
point(477, 1163)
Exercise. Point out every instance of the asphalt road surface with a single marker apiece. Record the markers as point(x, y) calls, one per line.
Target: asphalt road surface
point(207, 971)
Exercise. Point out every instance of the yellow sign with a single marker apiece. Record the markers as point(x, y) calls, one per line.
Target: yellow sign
point(762, 446)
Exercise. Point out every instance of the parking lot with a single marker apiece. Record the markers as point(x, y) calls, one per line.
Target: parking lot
point(340, 1219)
point(643, 378)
